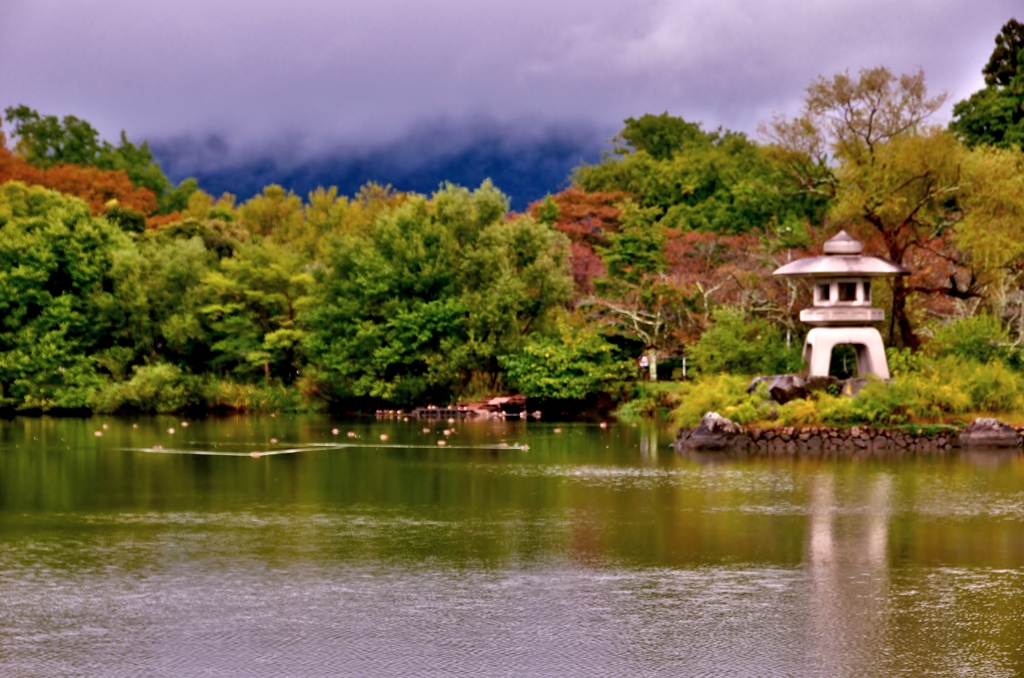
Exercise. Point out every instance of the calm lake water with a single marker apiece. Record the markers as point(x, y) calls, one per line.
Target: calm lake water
point(593, 552)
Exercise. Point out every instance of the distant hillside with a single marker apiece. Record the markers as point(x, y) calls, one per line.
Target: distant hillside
point(524, 169)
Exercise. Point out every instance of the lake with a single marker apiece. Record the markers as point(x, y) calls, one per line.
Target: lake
point(518, 548)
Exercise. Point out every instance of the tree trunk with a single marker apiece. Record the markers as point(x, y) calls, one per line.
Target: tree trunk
point(908, 337)
point(899, 318)
point(652, 356)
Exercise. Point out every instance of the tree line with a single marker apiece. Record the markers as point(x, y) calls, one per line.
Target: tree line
point(124, 291)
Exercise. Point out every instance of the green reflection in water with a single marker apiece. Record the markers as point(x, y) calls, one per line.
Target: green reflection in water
point(866, 568)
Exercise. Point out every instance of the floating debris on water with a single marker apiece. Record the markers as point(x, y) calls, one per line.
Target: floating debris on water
point(314, 447)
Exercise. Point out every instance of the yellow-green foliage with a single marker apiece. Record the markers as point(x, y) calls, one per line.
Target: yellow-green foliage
point(945, 387)
point(800, 412)
point(725, 394)
point(259, 397)
point(948, 386)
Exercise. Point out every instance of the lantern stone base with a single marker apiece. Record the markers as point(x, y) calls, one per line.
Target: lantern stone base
point(865, 340)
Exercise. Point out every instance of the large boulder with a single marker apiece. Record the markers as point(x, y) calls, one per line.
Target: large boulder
point(988, 432)
point(714, 433)
point(787, 387)
point(781, 387)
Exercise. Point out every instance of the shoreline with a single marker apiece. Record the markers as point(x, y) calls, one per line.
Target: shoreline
point(837, 442)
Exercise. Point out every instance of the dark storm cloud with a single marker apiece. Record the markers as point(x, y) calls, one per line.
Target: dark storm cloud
point(524, 166)
point(293, 79)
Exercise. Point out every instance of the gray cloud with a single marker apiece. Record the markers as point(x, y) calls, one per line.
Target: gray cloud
point(307, 74)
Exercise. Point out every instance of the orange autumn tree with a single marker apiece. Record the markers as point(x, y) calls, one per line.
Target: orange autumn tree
point(95, 186)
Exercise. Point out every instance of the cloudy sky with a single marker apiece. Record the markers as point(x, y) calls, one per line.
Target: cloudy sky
point(216, 83)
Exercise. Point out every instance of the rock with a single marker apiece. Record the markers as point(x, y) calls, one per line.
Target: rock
point(714, 433)
point(988, 432)
point(752, 386)
point(813, 384)
point(787, 387)
point(781, 387)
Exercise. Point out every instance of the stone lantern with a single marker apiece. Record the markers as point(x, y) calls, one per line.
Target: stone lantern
point(842, 312)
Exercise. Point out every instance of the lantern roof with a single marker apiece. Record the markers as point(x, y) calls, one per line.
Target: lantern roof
point(842, 258)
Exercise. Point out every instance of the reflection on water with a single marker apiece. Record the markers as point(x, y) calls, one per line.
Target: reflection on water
point(592, 552)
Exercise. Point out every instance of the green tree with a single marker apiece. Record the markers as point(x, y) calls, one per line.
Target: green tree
point(1005, 63)
point(572, 365)
point(992, 116)
point(661, 136)
point(428, 300)
point(718, 182)
point(46, 140)
point(738, 343)
point(176, 199)
point(56, 265)
point(633, 297)
point(256, 300)
point(995, 115)
point(154, 310)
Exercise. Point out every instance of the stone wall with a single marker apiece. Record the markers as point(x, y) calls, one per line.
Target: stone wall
point(823, 441)
point(814, 440)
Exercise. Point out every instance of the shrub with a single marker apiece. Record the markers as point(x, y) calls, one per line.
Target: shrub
point(994, 388)
point(160, 387)
point(726, 394)
point(650, 400)
point(799, 412)
point(574, 365)
point(262, 398)
point(739, 344)
point(981, 338)
point(932, 390)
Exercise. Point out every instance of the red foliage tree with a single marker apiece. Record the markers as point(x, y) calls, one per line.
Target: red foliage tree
point(95, 186)
point(707, 270)
point(586, 218)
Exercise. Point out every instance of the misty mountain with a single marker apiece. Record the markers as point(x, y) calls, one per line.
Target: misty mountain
point(524, 168)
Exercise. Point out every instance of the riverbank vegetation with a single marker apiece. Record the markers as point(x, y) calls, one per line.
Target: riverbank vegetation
point(121, 291)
